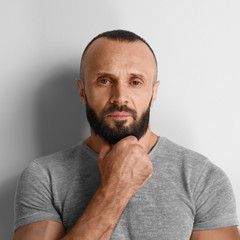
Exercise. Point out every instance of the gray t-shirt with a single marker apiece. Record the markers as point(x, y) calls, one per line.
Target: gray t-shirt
point(186, 192)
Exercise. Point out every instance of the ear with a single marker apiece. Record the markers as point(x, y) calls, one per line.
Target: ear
point(81, 90)
point(155, 91)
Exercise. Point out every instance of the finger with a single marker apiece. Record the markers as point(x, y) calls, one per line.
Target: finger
point(129, 139)
point(132, 139)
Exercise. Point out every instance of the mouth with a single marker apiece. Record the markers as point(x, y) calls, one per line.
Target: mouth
point(119, 115)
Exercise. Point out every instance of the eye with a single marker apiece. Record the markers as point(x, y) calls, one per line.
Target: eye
point(136, 82)
point(104, 81)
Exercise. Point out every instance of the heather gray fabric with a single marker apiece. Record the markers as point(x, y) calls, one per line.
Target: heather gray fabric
point(186, 192)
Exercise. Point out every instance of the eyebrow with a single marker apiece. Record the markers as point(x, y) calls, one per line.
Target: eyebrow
point(138, 75)
point(104, 74)
point(135, 75)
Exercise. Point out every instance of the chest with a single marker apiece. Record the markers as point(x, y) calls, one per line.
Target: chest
point(161, 209)
point(156, 214)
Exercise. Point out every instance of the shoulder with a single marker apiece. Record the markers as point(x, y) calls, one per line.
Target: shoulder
point(174, 154)
point(192, 160)
point(64, 163)
point(206, 185)
point(192, 169)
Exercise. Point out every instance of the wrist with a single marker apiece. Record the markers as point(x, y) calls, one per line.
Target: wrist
point(114, 198)
point(113, 194)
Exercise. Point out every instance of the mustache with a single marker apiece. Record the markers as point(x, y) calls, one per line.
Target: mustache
point(122, 108)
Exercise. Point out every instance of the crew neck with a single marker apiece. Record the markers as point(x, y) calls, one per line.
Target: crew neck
point(92, 152)
point(159, 142)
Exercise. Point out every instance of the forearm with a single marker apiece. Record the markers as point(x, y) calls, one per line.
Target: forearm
point(124, 169)
point(100, 217)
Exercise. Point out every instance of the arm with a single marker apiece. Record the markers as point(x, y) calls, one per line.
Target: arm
point(97, 222)
point(215, 207)
point(124, 170)
point(45, 230)
point(228, 233)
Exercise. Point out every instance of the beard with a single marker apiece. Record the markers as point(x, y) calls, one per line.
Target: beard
point(114, 134)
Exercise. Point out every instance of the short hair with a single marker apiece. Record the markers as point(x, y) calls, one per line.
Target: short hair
point(117, 35)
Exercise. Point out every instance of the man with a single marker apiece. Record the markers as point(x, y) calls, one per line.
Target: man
point(124, 181)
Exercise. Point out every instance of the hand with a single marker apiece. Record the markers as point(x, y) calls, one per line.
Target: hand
point(124, 167)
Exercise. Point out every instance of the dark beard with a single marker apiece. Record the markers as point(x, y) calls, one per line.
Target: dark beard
point(114, 134)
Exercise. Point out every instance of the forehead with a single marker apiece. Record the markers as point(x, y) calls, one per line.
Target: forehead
point(105, 53)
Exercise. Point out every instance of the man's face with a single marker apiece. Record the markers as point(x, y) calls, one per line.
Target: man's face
point(114, 134)
point(119, 88)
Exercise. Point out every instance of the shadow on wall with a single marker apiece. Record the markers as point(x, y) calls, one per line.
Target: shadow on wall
point(7, 191)
point(59, 120)
point(59, 113)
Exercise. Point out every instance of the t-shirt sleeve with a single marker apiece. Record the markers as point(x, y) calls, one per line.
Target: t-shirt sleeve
point(34, 199)
point(214, 200)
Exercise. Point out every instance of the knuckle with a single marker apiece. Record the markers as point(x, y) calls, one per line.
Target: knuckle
point(150, 167)
point(137, 150)
point(127, 141)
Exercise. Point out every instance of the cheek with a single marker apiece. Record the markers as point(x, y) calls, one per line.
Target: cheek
point(142, 104)
point(96, 94)
point(96, 103)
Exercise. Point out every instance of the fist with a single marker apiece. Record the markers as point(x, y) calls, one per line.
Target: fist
point(124, 167)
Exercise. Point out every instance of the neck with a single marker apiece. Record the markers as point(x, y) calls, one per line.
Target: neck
point(147, 141)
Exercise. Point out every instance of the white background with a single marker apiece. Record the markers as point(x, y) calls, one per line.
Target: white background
point(198, 50)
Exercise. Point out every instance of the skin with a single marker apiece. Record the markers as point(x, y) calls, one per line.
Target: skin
point(115, 73)
point(110, 79)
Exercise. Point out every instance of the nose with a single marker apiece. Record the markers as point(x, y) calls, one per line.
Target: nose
point(119, 94)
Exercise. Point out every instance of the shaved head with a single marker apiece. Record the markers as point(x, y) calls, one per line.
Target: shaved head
point(115, 35)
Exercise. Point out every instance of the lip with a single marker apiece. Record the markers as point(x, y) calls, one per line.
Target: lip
point(119, 115)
